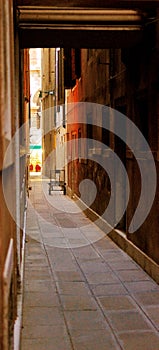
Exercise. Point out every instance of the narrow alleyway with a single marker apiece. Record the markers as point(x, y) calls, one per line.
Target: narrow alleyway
point(81, 291)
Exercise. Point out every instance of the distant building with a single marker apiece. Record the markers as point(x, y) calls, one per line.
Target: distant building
point(48, 103)
point(35, 110)
point(53, 110)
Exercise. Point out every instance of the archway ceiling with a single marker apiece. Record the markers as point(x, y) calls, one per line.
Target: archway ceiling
point(82, 23)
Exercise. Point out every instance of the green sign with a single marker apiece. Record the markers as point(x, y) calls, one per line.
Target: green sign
point(35, 146)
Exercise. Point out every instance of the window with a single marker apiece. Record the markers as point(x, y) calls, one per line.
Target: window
point(105, 131)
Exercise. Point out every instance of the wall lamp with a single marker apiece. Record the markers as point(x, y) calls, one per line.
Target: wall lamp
point(49, 92)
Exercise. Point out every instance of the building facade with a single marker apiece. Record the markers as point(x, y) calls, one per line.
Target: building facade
point(127, 81)
point(14, 111)
point(48, 102)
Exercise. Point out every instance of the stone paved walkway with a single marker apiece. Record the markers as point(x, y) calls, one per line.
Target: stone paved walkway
point(82, 292)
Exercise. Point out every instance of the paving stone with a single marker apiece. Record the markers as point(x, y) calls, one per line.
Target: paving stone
point(34, 268)
point(78, 302)
point(102, 278)
point(139, 286)
point(105, 244)
point(153, 314)
point(85, 320)
point(36, 274)
point(47, 344)
point(128, 320)
point(62, 264)
point(89, 227)
point(72, 276)
point(49, 332)
point(33, 237)
point(73, 288)
point(121, 302)
point(147, 298)
point(72, 233)
point(38, 259)
point(133, 275)
point(102, 343)
point(36, 262)
point(48, 227)
point(76, 243)
point(109, 289)
point(114, 255)
point(60, 242)
point(45, 299)
point(65, 222)
point(85, 253)
point(36, 249)
point(43, 316)
point(39, 286)
point(87, 334)
point(140, 340)
point(93, 236)
point(59, 254)
point(49, 235)
point(97, 266)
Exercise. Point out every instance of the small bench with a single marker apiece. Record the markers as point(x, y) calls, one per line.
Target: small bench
point(57, 182)
point(54, 186)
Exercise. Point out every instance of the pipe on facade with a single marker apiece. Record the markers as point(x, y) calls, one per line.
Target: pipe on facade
point(53, 16)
